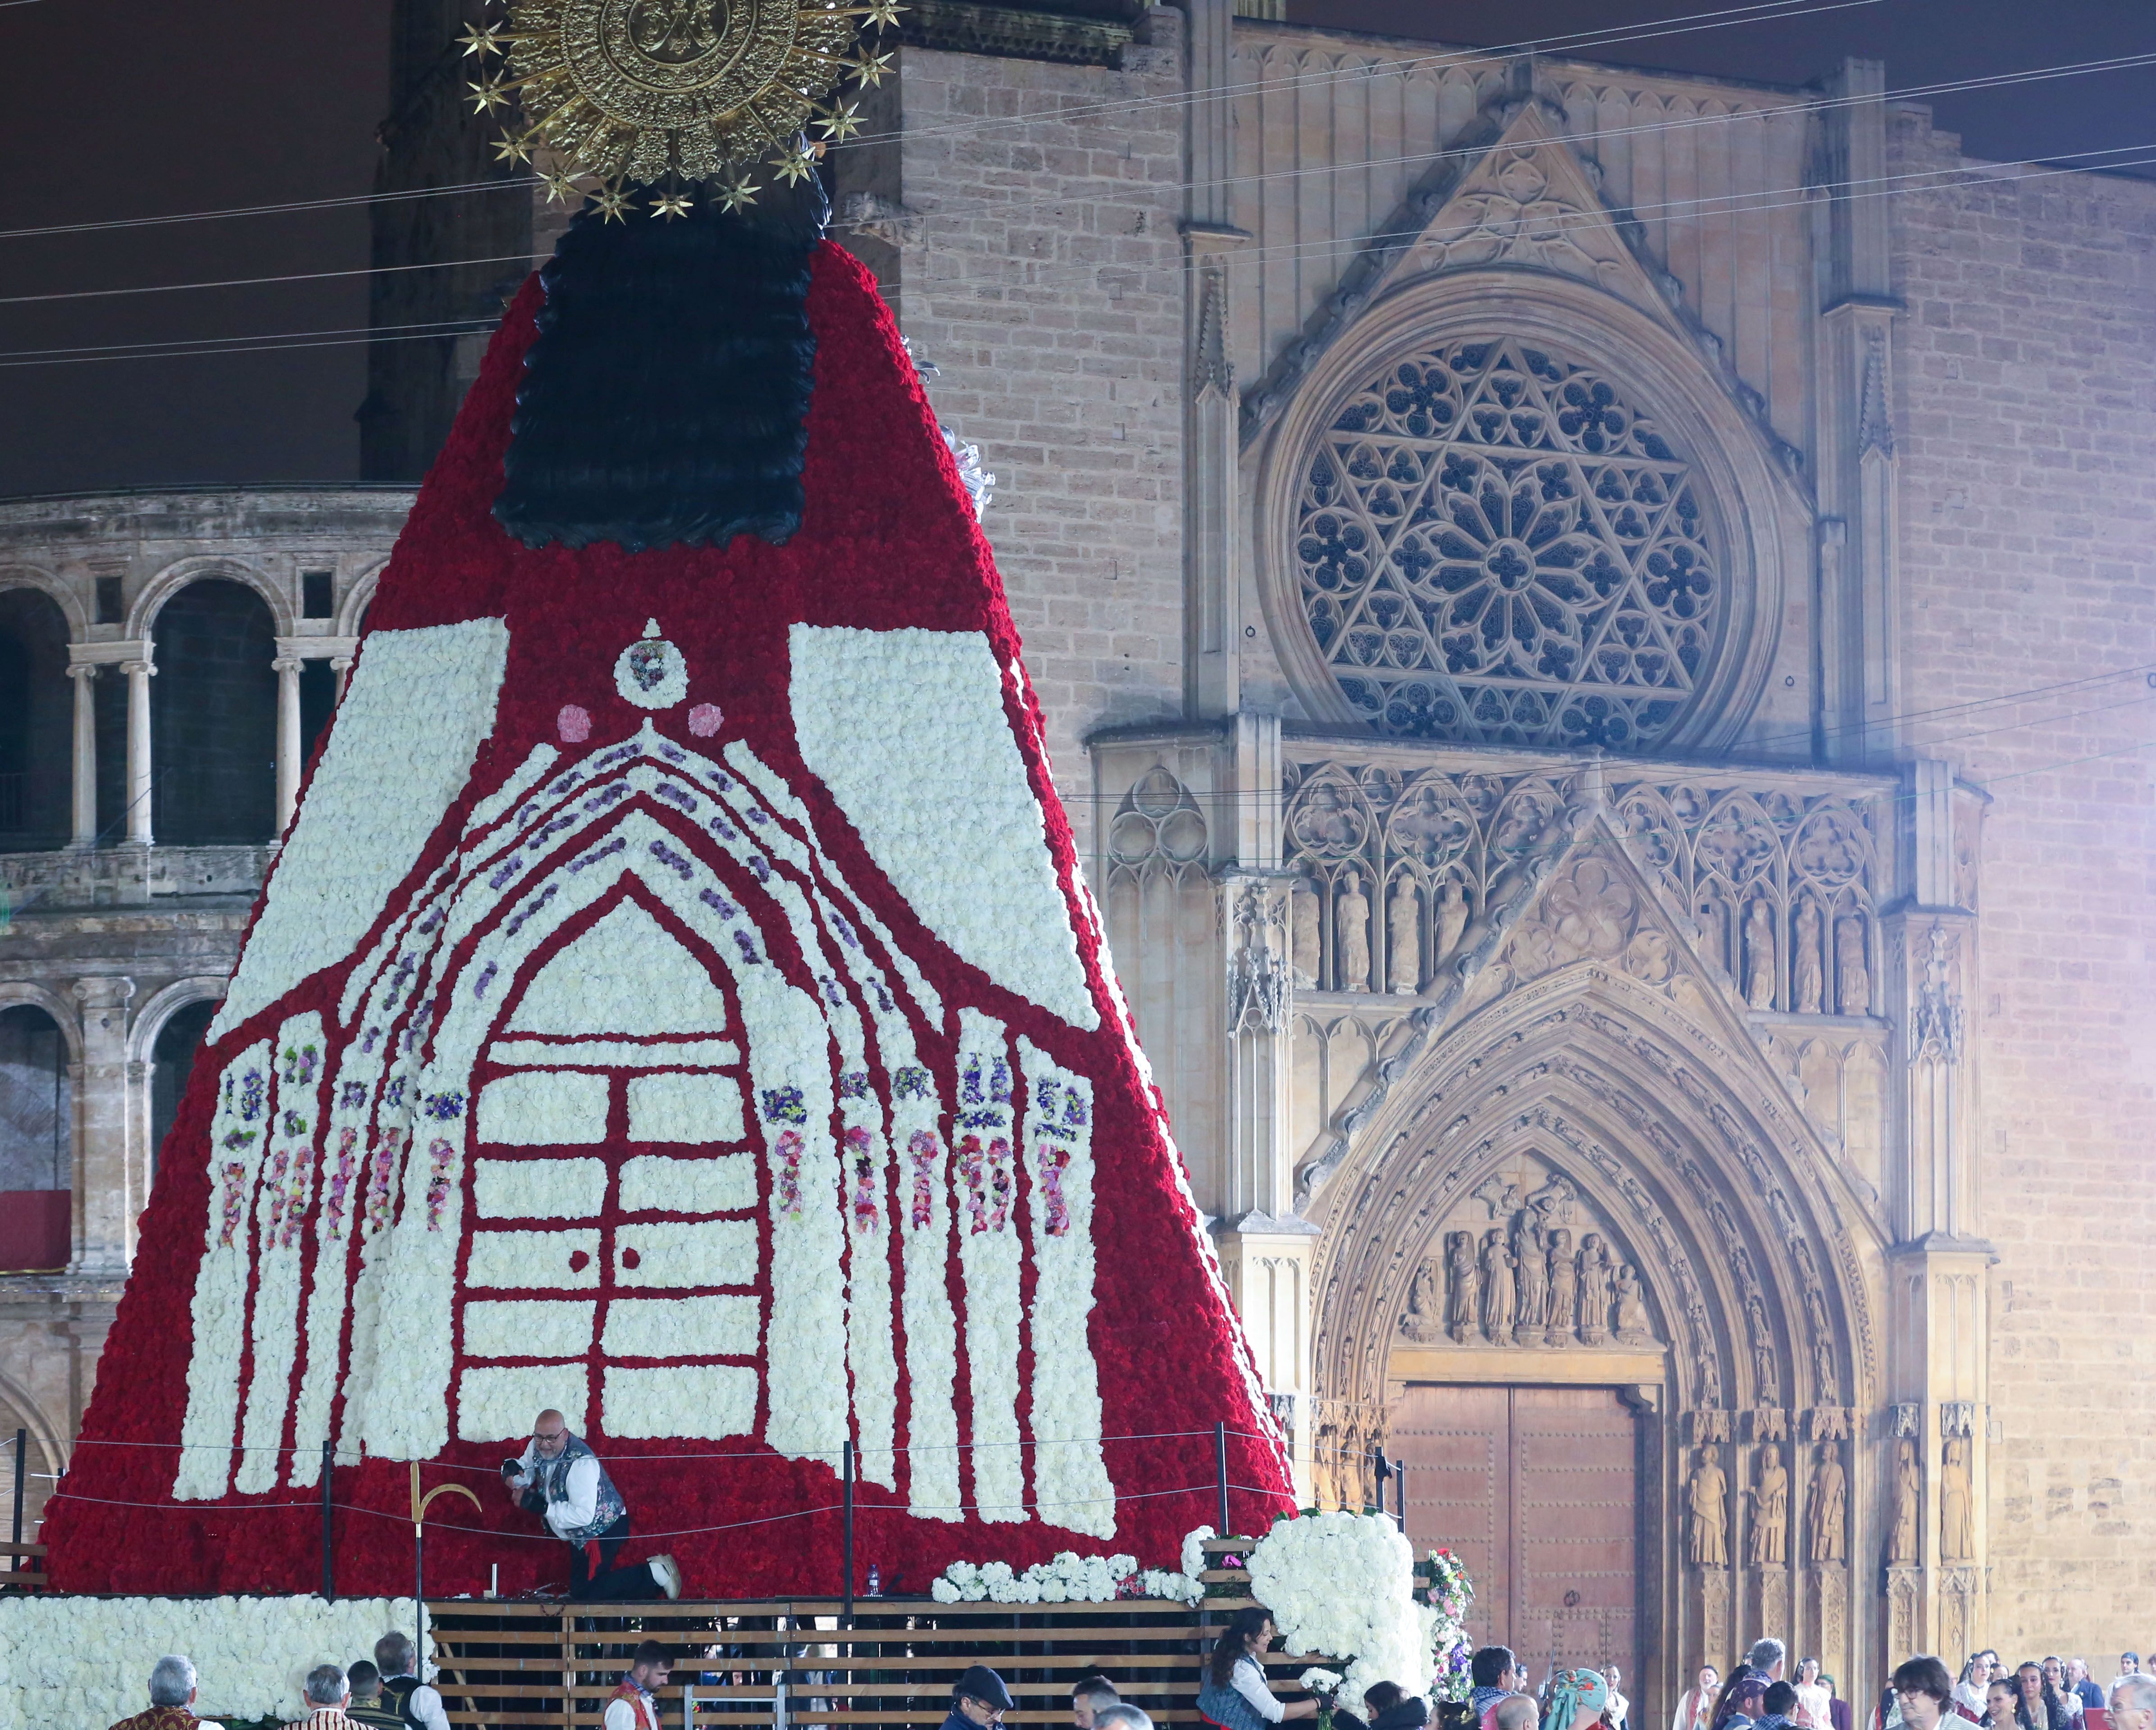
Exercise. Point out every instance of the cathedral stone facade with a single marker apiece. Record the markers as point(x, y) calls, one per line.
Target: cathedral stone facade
point(1595, 627)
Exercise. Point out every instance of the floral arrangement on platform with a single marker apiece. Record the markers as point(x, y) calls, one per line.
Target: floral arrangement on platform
point(1068, 1579)
point(1343, 1584)
point(86, 1660)
point(1446, 1592)
point(444, 1163)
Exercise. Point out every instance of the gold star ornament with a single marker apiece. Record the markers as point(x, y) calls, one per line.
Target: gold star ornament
point(670, 204)
point(642, 91)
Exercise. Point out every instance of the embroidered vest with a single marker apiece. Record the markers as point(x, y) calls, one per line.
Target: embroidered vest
point(1220, 1702)
point(396, 1696)
point(640, 1702)
point(553, 1477)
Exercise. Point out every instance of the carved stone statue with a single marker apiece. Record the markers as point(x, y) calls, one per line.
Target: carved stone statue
point(1593, 1289)
point(1404, 927)
point(1852, 972)
point(1957, 1504)
point(1531, 1260)
point(1303, 919)
point(1770, 1510)
point(1759, 954)
point(1706, 1514)
point(1452, 919)
point(1459, 1290)
point(1554, 1201)
point(1563, 1287)
point(1633, 1327)
point(1828, 1510)
point(1908, 1496)
point(1422, 1322)
point(1497, 1305)
point(1807, 978)
point(1351, 934)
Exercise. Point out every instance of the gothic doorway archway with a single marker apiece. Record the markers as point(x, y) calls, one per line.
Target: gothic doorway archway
point(1590, 1178)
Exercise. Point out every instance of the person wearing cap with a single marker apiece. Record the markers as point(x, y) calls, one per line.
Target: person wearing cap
point(979, 1700)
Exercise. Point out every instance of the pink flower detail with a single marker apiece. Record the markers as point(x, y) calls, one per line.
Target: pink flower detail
point(867, 1214)
point(235, 1199)
point(790, 1150)
point(703, 719)
point(574, 724)
point(385, 1152)
point(986, 1174)
point(921, 1153)
point(440, 1156)
point(1053, 1162)
point(347, 1167)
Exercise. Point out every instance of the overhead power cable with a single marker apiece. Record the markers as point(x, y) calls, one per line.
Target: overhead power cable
point(1738, 203)
point(1767, 11)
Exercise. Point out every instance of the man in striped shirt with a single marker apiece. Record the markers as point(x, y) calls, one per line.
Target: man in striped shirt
point(327, 1696)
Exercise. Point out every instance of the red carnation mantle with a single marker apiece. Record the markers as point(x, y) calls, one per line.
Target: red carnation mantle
point(888, 541)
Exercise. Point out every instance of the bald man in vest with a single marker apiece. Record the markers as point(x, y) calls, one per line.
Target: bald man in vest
point(560, 1479)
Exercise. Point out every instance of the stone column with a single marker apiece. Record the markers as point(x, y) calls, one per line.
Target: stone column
point(340, 666)
point(85, 750)
point(289, 765)
point(139, 674)
point(107, 1196)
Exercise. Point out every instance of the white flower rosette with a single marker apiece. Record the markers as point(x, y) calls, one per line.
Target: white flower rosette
point(86, 1660)
point(1344, 1585)
point(1069, 1578)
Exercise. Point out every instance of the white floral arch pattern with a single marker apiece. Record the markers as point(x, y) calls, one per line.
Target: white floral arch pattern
point(1508, 508)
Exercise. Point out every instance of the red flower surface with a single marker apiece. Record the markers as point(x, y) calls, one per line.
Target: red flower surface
point(888, 540)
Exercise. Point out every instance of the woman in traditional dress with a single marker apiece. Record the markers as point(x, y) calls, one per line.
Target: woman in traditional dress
point(1235, 1695)
point(1696, 1710)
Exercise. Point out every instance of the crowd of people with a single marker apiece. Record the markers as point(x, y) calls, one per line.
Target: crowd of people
point(1234, 1694)
point(386, 1691)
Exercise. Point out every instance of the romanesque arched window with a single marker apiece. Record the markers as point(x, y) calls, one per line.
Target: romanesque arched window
point(1495, 541)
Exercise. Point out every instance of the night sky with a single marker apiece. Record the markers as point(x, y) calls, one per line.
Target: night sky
point(115, 109)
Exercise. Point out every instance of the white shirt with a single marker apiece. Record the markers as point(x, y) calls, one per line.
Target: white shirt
point(425, 1704)
point(620, 1715)
point(1692, 1711)
point(1618, 1707)
point(1248, 1680)
point(580, 1491)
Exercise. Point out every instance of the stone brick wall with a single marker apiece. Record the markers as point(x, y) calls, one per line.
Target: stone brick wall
point(2027, 456)
point(1033, 258)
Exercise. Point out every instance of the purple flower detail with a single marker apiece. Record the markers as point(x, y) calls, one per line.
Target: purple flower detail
point(747, 948)
point(531, 908)
point(443, 1106)
point(853, 1084)
point(597, 854)
point(910, 1082)
point(353, 1094)
point(758, 816)
point(845, 930)
point(759, 867)
point(607, 796)
point(784, 1105)
point(723, 830)
point(434, 917)
point(503, 872)
point(672, 860)
point(674, 795)
point(718, 904)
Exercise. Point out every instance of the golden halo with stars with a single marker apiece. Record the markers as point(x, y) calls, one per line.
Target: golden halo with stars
point(652, 92)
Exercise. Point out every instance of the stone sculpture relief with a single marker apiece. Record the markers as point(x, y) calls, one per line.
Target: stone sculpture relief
point(1827, 1507)
point(1304, 916)
point(1908, 1497)
point(1706, 1513)
point(1808, 979)
point(1633, 1327)
point(1957, 1504)
point(1759, 955)
point(1770, 1510)
point(1517, 1281)
point(1853, 977)
point(1351, 925)
point(1452, 919)
point(1404, 925)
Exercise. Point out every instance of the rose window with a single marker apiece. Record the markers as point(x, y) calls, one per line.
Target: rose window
point(1494, 544)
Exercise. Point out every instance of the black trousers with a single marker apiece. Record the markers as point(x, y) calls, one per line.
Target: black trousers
point(610, 1583)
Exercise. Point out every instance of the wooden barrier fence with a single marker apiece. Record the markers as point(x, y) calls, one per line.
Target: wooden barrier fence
point(788, 1662)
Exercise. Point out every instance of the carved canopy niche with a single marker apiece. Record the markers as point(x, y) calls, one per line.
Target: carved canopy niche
point(1526, 1262)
